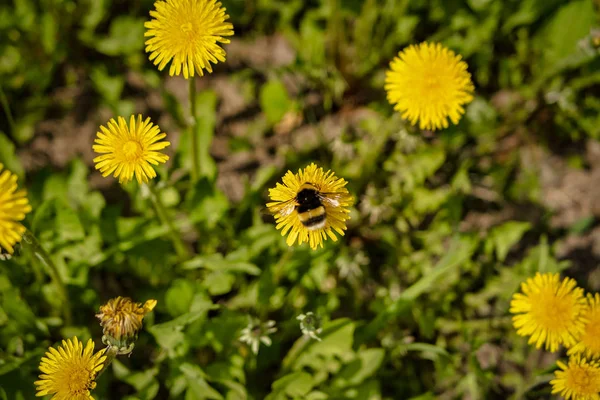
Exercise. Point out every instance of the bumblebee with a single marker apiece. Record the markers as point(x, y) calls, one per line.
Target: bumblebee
point(310, 203)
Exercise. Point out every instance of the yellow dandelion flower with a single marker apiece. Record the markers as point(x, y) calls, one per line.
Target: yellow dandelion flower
point(310, 205)
point(128, 150)
point(13, 208)
point(579, 380)
point(589, 341)
point(69, 372)
point(549, 311)
point(121, 317)
point(429, 83)
point(187, 32)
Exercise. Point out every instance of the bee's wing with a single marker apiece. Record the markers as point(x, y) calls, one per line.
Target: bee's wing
point(332, 199)
point(285, 208)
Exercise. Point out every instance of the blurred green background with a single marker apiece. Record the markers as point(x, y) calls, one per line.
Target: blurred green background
point(414, 299)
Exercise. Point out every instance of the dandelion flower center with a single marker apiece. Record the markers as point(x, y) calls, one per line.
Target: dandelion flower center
point(580, 379)
point(132, 150)
point(188, 33)
point(78, 379)
point(549, 311)
point(187, 28)
point(430, 84)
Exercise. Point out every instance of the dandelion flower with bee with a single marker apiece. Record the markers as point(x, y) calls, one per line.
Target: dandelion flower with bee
point(14, 206)
point(70, 371)
point(577, 380)
point(549, 311)
point(311, 206)
point(188, 33)
point(430, 84)
point(130, 150)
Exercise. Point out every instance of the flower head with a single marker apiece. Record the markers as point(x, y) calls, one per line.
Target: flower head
point(187, 32)
point(13, 208)
point(128, 150)
point(579, 380)
point(310, 325)
point(121, 319)
point(549, 311)
point(256, 333)
point(69, 372)
point(310, 205)
point(589, 341)
point(429, 83)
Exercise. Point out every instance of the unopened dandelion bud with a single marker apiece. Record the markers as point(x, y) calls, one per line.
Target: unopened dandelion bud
point(121, 320)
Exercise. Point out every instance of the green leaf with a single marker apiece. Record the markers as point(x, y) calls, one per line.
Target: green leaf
point(126, 37)
point(555, 42)
point(275, 101)
point(218, 283)
point(529, 12)
point(369, 390)
point(204, 130)
point(10, 363)
point(216, 262)
point(8, 156)
point(206, 203)
point(503, 237)
point(336, 340)
point(169, 335)
point(179, 297)
point(17, 309)
point(77, 183)
point(460, 251)
point(109, 87)
point(198, 387)
point(582, 225)
point(206, 106)
point(95, 10)
point(71, 227)
point(49, 32)
point(144, 382)
point(359, 369)
point(295, 385)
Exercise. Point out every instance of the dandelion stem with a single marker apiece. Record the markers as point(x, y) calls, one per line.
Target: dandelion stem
point(161, 212)
point(6, 107)
point(194, 132)
point(30, 241)
point(111, 353)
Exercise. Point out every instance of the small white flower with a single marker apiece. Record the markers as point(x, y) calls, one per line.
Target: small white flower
point(257, 332)
point(310, 325)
